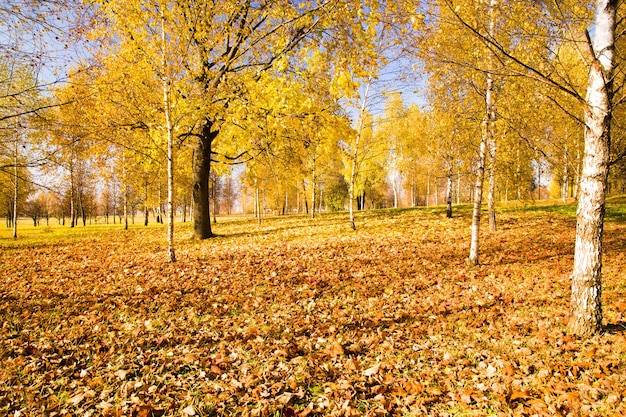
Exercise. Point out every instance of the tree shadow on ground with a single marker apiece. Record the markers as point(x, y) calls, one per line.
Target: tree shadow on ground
point(615, 328)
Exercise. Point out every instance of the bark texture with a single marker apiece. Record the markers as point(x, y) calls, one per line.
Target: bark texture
point(586, 303)
point(485, 140)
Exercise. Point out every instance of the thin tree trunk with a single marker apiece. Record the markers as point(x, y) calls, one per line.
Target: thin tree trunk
point(412, 189)
point(395, 193)
point(449, 196)
point(114, 202)
point(428, 188)
point(458, 187)
point(491, 199)
point(355, 152)
point(538, 178)
point(306, 202)
point(257, 202)
point(578, 168)
point(491, 137)
point(484, 141)
point(15, 190)
point(565, 176)
point(586, 302)
point(81, 207)
point(313, 186)
point(125, 190)
point(145, 202)
point(171, 255)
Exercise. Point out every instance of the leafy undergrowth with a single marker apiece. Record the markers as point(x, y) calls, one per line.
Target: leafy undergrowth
point(304, 317)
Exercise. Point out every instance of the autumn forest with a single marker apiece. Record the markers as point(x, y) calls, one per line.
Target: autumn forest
point(306, 208)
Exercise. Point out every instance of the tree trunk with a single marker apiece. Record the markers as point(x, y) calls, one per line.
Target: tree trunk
point(257, 204)
point(15, 191)
point(313, 187)
point(412, 189)
point(306, 202)
point(81, 205)
point(72, 210)
point(578, 167)
point(565, 176)
point(538, 179)
point(126, 207)
point(125, 190)
point(586, 303)
point(355, 152)
point(395, 192)
point(478, 197)
point(449, 196)
point(428, 188)
point(491, 199)
point(286, 206)
point(145, 202)
point(458, 187)
point(484, 141)
point(201, 165)
point(171, 255)
point(491, 137)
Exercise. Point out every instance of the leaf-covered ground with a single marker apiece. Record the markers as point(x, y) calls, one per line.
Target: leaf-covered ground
point(305, 317)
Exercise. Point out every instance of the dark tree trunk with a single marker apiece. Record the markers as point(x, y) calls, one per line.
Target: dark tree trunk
point(449, 196)
point(201, 165)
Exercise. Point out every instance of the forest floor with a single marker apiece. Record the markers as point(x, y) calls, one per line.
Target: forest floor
point(301, 317)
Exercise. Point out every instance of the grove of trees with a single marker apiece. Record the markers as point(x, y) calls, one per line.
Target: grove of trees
point(116, 110)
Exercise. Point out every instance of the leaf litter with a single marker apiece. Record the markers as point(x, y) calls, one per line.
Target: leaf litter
point(302, 317)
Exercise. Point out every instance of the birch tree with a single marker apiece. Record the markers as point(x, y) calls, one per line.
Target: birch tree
point(586, 303)
point(597, 51)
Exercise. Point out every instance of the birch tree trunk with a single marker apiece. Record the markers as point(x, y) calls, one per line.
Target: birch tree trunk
point(484, 141)
point(15, 191)
point(565, 176)
point(125, 190)
point(492, 181)
point(491, 138)
point(586, 302)
point(72, 209)
point(428, 188)
point(145, 202)
point(449, 195)
point(171, 255)
point(355, 151)
point(313, 184)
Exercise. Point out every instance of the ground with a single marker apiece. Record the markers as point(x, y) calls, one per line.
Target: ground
point(303, 316)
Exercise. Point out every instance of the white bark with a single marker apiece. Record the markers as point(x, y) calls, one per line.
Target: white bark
point(170, 145)
point(449, 195)
point(125, 190)
point(586, 302)
point(355, 151)
point(491, 138)
point(314, 183)
point(478, 198)
point(565, 176)
point(15, 191)
point(492, 179)
point(485, 140)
